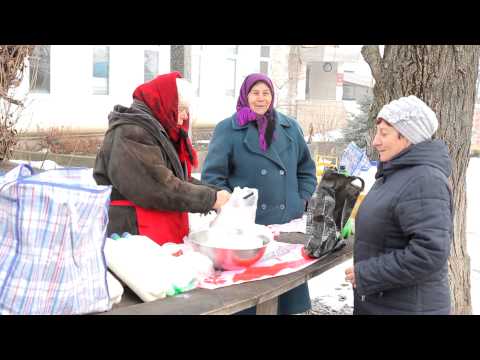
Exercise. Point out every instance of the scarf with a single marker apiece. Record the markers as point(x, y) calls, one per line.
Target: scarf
point(161, 97)
point(245, 115)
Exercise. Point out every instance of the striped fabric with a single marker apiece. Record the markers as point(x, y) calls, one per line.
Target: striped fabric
point(52, 235)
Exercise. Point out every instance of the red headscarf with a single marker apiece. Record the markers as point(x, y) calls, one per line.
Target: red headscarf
point(161, 96)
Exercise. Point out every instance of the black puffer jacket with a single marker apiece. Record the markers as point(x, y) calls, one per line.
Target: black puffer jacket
point(403, 235)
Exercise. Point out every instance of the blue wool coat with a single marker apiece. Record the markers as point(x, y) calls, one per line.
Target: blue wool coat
point(284, 175)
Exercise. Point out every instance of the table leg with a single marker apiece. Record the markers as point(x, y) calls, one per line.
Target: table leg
point(269, 307)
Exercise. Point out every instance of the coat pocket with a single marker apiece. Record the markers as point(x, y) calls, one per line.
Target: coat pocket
point(404, 298)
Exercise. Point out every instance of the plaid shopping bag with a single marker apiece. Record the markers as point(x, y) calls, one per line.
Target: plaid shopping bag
point(52, 235)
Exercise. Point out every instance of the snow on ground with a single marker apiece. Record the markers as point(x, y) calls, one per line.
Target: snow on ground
point(331, 290)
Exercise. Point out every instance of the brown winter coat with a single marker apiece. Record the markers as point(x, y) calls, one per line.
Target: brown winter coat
point(140, 162)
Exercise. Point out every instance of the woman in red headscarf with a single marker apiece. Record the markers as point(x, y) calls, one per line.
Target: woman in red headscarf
point(147, 157)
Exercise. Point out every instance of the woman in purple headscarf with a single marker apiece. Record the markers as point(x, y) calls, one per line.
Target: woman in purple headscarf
point(261, 148)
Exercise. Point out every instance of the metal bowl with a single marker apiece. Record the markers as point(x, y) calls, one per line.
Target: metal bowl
point(227, 259)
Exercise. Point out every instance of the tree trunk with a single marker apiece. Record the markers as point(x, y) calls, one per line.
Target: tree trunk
point(293, 77)
point(444, 76)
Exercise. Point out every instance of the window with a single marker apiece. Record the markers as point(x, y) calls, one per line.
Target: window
point(264, 59)
point(40, 69)
point(230, 78)
point(231, 70)
point(264, 51)
point(150, 65)
point(196, 52)
point(197, 67)
point(232, 50)
point(101, 59)
point(348, 92)
point(264, 67)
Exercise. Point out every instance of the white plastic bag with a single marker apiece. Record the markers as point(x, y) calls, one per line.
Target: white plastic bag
point(152, 271)
point(250, 236)
point(198, 221)
point(234, 227)
point(140, 264)
point(240, 210)
point(115, 289)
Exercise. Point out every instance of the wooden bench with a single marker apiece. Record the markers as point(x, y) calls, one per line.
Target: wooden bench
point(232, 299)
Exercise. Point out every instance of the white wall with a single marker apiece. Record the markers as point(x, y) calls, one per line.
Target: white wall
point(71, 103)
point(214, 104)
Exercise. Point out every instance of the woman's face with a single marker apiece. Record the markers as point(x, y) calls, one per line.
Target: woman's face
point(182, 114)
point(259, 98)
point(388, 142)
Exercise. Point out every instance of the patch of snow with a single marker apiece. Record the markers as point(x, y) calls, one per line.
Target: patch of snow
point(332, 135)
point(331, 287)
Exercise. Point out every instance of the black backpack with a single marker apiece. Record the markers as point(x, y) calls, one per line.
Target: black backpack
point(330, 209)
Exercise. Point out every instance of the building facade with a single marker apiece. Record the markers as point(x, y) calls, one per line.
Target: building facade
point(76, 86)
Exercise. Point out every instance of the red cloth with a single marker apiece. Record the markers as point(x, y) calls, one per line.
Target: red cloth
point(160, 226)
point(161, 96)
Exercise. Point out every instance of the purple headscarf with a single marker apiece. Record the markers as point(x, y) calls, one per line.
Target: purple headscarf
point(245, 114)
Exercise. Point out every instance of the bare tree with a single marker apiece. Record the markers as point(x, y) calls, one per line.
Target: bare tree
point(290, 82)
point(444, 76)
point(12, 67)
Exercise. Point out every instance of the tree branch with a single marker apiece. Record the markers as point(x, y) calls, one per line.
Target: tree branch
point(371, 54)
point(9, 99)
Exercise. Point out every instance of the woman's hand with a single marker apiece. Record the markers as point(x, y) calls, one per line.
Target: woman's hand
point(350, 275)
point(222, 197)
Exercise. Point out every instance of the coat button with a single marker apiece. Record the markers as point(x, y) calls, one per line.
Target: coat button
point(282, 172)
point(263, 172)
point(282, 207)
point(264, 206)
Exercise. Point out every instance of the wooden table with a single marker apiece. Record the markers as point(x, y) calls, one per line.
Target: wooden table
point(231, 299)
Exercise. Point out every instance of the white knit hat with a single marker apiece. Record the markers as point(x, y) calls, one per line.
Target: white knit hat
point(411, 117)
point(186, 95)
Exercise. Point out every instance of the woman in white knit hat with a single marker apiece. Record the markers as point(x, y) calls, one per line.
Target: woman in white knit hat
point(404, 225)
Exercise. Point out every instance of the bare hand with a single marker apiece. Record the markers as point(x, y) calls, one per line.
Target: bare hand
point(222, 197)
point(350, 276)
